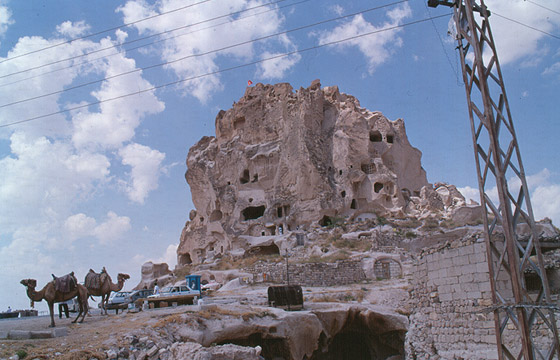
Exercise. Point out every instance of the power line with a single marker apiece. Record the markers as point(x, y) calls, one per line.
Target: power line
point(443, 48)
point(201, 54)
point(148, 37)
point(104, 31)
point(224, 70)
point(527, 26)
point(544, 7)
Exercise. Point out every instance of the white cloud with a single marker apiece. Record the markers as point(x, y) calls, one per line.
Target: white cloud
point(543, 190)
point(195, 40)
point(43, 179)
point(57, 168)
point(113, 228)
point(5, 19)
point(377, 48)
point(72, 30)
point(276, 68)
point(553, 69)
point(117, 120)
point(514, 41)
point(146, 168)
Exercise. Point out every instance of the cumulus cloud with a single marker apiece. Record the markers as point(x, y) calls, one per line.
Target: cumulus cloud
point(113, 228)
point(201, 39)
point(543, 189)
point(54, 169)
point(146, 168)
point(116, 121)
point(515, 41)
point(377, 48)
point(72, 29)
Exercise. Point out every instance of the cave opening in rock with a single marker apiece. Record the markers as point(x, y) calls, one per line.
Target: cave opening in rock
point(390, 138)
point(325, 221)
point(362, 338)
point(238, 122)
point(216, 215)
point(377, 187)
point(184, 259)
point(375, 136)
point(244, 179)
point(253, 212)
point(353, 205)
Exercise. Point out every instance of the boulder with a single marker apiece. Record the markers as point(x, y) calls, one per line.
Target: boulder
point(152, 272)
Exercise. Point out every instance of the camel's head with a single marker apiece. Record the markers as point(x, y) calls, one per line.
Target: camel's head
point(123, 277)
point(31, 283)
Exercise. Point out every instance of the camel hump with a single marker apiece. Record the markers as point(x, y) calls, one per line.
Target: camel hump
point(66, 283)
point(94, 280)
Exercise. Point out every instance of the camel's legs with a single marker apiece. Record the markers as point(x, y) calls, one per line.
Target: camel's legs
point(51, 311)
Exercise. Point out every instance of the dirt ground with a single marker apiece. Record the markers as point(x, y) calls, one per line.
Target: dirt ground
point(86, 340)
point(98, 333)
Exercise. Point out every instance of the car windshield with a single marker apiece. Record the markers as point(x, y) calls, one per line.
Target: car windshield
point(167, 289)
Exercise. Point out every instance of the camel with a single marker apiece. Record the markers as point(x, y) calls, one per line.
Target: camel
point(51, 295)
point(102, 285)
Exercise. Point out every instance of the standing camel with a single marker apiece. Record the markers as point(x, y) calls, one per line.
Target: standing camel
point(51, 294)
point(102, 285)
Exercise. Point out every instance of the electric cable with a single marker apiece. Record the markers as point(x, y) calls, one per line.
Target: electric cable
point(104, 31)
point(222, 70)
point(142, 38)
point(527, 26)
point(459, 83)
point(544, 7)
point(147, 44)
point(200, 54)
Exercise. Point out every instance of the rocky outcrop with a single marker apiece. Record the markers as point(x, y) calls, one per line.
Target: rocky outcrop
point(283, 161)
point(154, 272)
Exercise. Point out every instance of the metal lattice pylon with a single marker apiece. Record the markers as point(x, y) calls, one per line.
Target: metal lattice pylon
point(525, 324)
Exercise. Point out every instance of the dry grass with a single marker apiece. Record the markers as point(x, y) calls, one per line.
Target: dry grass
point(339, 255)
point(227, 263)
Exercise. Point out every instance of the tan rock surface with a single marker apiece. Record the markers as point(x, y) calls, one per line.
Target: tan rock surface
point(284, 160)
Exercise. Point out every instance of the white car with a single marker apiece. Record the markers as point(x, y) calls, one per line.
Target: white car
point(177, 290)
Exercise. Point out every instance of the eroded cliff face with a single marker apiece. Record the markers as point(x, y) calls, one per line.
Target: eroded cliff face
point(285, 160)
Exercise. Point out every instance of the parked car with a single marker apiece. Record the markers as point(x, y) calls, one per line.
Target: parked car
point(117, 299)
point(178, 290)
point(138, 294)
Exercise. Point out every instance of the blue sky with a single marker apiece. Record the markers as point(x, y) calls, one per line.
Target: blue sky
point(103, 185)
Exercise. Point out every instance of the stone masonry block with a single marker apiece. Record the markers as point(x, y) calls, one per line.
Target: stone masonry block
point(450, 280)
point(461, 260)
point(468, 269)
point(446, 263)
point(482, 267)
point(466, 278)
point(474, 295)
point(477, 258)
point(465, 250)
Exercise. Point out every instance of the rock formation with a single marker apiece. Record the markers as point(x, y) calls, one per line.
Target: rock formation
point(283, 161)
point(152, 272)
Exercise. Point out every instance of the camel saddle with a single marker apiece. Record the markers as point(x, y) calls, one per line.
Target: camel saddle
point(95, 280)
point(66, 283)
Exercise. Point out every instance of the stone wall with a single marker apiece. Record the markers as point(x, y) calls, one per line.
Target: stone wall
point(449, 296)
point(310, 274)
